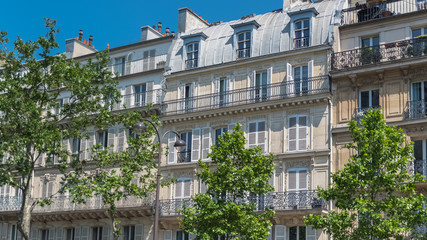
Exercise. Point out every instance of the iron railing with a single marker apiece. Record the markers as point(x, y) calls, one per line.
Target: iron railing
point(139, 65)
point(191, 63)
point(382, 9)
point(141, 99)
point(277, 201)
point(65, 204)
point(387, 52)
point(420, 167)
point(359, 113)
point(243, 53)
point(242, 96)
point(301, 42)
point(416, 109)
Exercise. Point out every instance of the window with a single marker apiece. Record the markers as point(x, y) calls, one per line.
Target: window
point(369, 99)
point(297, 179)
point(418, 32)
point(181, 235)
point(129, 232)
point(140, 93)
point(421, 4)
point(261, 85)
point(148, 60)
point(257, 135)
point(243, 45)
point(302, 233)
point(75, 146)
point(222, 87)
point(370, 52)
point(370, 42)
point(45, 234)
point(185, 154)
point(119, 66)
point(47, 188)
point(59, 106)
point(102, 139)
point(222, 91)
point(70, 233)
point(419, 44)
point(219, 132)
point(192, 55)
point(420, 152)
point(418, 101)
point(183, 188)
point(301, 79)
point(297, 133)
point(13, 233)
point(97, 233)
point(302, 33)
point(186, 96)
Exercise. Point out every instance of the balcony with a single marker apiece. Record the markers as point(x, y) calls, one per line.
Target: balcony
point(65, 204)
point(359, 113)
point(379, 10)
point(420, 167)
point(416, 109)
point(141, 99)
point(139, 65)
point(279, 201)
point(384, 53)
point(304, 87)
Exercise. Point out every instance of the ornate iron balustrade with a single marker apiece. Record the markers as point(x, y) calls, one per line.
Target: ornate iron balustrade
point(420, 167)
point(309, 86)
point(139, 65)
point(65, 204)
point(387, 52)
point(416, 109)
point(141, 99)
point(301, 42)
point(277, 201)
point(359, 113)
point(382, 9)
point(10, 203)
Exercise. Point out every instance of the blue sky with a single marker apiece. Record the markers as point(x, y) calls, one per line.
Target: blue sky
point(115, 22)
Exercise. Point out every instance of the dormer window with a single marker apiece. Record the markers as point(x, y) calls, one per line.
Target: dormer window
point(192, 55)
point(243, 45)
point(302, 33)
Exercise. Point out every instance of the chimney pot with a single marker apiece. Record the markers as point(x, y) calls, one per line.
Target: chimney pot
point(154, 26)
point(80, 35)
point(159, 27)
point(108, 46)
point(167, 31)
point(90, 40)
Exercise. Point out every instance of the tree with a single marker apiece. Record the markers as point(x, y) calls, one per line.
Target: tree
point(35, 123)
point(374, 195)
point(234, 179)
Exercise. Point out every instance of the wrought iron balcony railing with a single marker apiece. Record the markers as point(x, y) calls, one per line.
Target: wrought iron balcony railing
point(277, 201)
point(139, 65)
point(387, 52)
point(416, 109)
point(65, 204)
point(191, 63)
point(243, 53)
point(141, 99)
point(359, 113)
point(309, 86)
point(420, 167)
point(382, 9)
point(301, 42)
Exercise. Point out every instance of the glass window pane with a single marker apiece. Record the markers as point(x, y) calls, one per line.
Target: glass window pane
point(304, 72)
point(261, 126)
point(298, 25)
point(196, 46)
point(366, 42)
point(375, 98)
point(305, 23)
point(306, 33)
point(425, 91)
point(302, 233)
point(292, 122)
point(416, 91)
point(364, 99)
point(252, 127)
point(240, 37)
point(416, 32)
point(264, 78)
point(297, 73)
point(375, 41)
point(418, 150)
point(298, 34)
point(293, 233)
point(248, 35)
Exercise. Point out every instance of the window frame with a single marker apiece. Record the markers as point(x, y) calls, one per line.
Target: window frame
point(246, 50)
point(182, 181)
point(120, 61)
point(297, 183)
point(305, 43)
point(187, 137)
point(257, 132)
point(130, 227)
point(371, 41)
point(99, 232)
point(194, 53)
point(297, 127)
point(142, 95)
point(222, 131)
point(370, 91)
point(104, 142)
point(298, 228)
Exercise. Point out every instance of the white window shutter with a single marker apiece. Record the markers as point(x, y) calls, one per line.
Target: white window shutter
point(203, 187)
point(279, 232)
point(193, 94)
point(187, 188)
point(302, 133)
point(252, 134)
point(83, 143)
point(206, 142)
point(50, 185)
point(85, 233)
point(261, 136)
point(216, 91)
point(195, 151)
point(121, 139)
point(77, 233)
point(34, 233)
point(302, 179)
point(51, 234)
point(90, 143)
point(59, 231)
point(181, 98)
point(292, 134)
point(272, 179)
point(178, 189)
point(167, 235)
point(171, 150)
point(128, 96)
point(139, 232)
point(45, 189)
point(111, 139)
point(289, 80)
point(270, 234)
point(310, 75)
point(150, 96)
point(106, 231)
point(269, 81)
point(229, 86)
point(18, 234)
point(4, 229)
point(128, 64)
point(252, 85)
point(231, 126)
point(310, 233)
point(292, 180)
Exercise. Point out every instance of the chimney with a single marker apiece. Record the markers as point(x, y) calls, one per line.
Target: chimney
point(167, 31)
point(188, 20)
point(80, 35)
point(90, 40)
point(159, 27)
point(148, 33)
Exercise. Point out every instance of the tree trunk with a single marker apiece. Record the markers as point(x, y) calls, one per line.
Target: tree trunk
point(24, 216)
point(114, 227)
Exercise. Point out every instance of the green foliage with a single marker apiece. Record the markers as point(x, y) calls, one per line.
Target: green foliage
point(33, 78)
point(234, 174)
point(374, 195)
